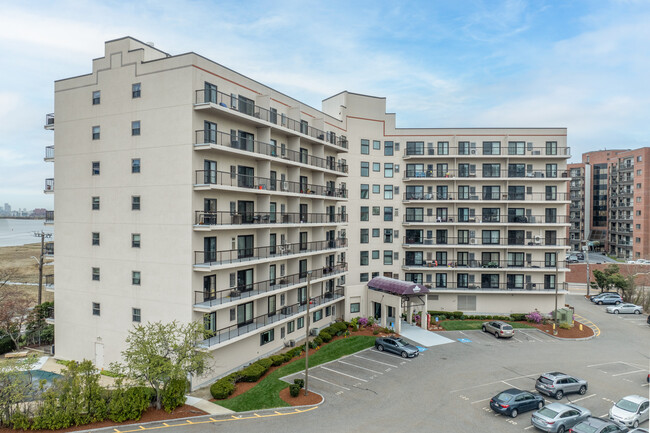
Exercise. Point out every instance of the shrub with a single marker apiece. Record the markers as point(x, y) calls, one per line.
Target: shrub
point(340, 326)
point(294, 390)
point(277, 360)
point(253, 372)
point(363, 322)
point(326, 337)
point(535, 317)
point(312, 344)
point(355, 328)
point(565, 325)
point(173, 395)
point(375, 332)
point(299, 382)
point(266, 363)
point(319, 340)
point(518, 317)
point(464, 317)
point(222, 388)
point(128, 404)
point(355, 322)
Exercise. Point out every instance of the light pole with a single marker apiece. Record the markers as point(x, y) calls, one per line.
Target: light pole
point(586, 250)
point(41, 235)
point(307, 334)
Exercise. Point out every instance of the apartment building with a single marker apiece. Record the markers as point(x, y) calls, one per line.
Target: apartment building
point(186, 191)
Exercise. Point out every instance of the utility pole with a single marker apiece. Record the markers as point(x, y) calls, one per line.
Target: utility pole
point(307, 334)
point(586, 250)
point(41, 235)
point(556, 293)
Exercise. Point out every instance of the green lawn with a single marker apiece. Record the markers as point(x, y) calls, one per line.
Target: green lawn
point(464, 325)
point(265, 394)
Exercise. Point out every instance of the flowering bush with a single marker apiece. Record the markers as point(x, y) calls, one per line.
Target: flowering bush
point(362, 321)
point(535, 316)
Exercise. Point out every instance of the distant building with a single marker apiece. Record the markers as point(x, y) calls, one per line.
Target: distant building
point(39, 213)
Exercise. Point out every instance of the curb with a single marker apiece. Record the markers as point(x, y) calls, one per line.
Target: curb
point(566, 339)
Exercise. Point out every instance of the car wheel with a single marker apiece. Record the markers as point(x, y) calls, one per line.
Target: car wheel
point(380, 348)
point(405, 355)
point(560, 429)
point(636, 424)
point(514, 413)
point(583, 390)
point(617, 302)
point(496, 334)
point(615, 311)
point(637, 311)
point(600, 302)
point(559, 395)
point(483, 329)
point(540, 405)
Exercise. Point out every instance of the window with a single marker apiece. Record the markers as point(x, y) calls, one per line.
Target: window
point(135, 165)
point(271, 307)
point(136, 315)
point(516, 148)
point(301, 322)
point(364, 236)
point(388, 192)
point(135, 202)
point(376, 210)
point(375, 232)
point(135, 127)
point(551, 170)
point(464, 148)
point(491, 192)
point(376, 145)
point(376, 166)
point(135, 240)
point(364, 213)
point(267, 337)
point(376, 189)
point(363, 258)
point(443, 148)
point(318, 315)
point(638, 186)
point(551, 147)
point(491, 170)
point(415, 148)
point(291, 326)
point(355, 307)
point(365, 147)
point(135, 278)
point(95, 238)
point(550, 260)
point(96, 132)
point(388, 257)
point(96, 97)
point(414, 214)
point(388, 213)
point(95, 169)
point(388, 169)
point(96, 309)
point(388, 148)
point(441, 280)
point(365, 169)
point(388, 236)
point(365, 191)
point(490, 237)
point(551, 192)
point(375, 254)
point(95, 274)
point(363, 277)
point(135, 90)
point(549, 282)
point(491, 148)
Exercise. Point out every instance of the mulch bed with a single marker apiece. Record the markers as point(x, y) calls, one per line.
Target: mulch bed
point(302, 399)
point(574, 332)
point(149, 415)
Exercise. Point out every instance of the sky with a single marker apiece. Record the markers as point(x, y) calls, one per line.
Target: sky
point(583, 65)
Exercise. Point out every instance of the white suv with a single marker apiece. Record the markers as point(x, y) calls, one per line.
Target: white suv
point(631, 410)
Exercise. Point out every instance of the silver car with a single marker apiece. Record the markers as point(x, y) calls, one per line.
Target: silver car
point(631, 410)
point(625, 309)
point(558, 417)
point(499, 329)
point(556, 384)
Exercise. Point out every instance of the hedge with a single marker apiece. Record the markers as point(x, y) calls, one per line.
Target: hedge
point(222, 388)
point(458, 315)
point(278, 360)
point(253, 372)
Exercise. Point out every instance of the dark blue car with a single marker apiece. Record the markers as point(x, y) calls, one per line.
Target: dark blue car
point(514, 401)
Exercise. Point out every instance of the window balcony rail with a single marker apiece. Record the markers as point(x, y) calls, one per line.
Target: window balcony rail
point(243, 255)
point(49, 248)
point(624, 243)
point(249, 108)
point(539, 196)
point(49, 121)
point(49, 185)
point(436, 173)
point(229, 218)
point(497, 264)
point(49, 152)
point(49, 216)
point(478, 240)
point(49, 280)
point(469, 150)
point(622, 230)
point(479, 219)
point(215, 177)
point(498, 286)
point(208, 137)
point(230, 332)
point(210, 297)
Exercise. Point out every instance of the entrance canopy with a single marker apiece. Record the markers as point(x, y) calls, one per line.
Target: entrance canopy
point(397, 287)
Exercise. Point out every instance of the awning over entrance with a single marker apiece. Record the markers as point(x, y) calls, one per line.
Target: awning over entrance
point(397, 287)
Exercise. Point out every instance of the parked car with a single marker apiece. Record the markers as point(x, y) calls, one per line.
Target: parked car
point(499, 329)
point(556, 384)
point(631, 410)
point(514, 401)
point(580, 256)
point(594, 298)
point(643, 262)
point(625, 309)
point(572, 259)
point(396, 345)
point(558, 417)
point(639, 430)
point(598, 425)
point(609, 299)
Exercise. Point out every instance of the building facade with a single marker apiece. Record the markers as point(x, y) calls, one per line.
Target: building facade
point(186, 191)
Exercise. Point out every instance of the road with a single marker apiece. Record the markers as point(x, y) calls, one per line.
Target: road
point(448, 387)
point(600, 258)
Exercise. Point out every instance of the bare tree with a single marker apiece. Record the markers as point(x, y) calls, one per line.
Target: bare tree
point(7, 274)
point(14, 312)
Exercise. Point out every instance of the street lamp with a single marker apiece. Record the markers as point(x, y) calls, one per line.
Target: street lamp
point(307, 334)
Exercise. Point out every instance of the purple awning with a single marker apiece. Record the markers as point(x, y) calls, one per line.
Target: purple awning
point(397, 287)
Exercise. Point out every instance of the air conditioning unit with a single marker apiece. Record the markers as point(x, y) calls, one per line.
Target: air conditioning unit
point(472, 151)
point(538, 239)
point(292, 343)
point(285, 186)
point(314, 331)
point(473, 241)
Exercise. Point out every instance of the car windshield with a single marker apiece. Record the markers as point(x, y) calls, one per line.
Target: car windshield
point(627, 405)
point(504, 396)
point(400, 342)
point(584, 428)
point(506, 328)
point(547, 412)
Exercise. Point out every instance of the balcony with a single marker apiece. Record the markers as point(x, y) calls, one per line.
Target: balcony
point(49, 121)
point(471, 151)
point(230, 104)
point(232, 332)
point(206, 300)
point(264, 219)
point(49, 217)
point(48, 249)
point(464, 242)
point(624, 243)
point(49, 282)
point(492, 220)
point(489, 266)
point(49, 185)
point(224, 140)
point(50, 316)
point(499, 286)
point(206, 260)
point(492, 196)
point(263, 185)
point(49, 154)
point(470, 174)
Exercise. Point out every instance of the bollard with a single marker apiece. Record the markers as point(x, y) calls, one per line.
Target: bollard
point(581, 327)
point(554, 330)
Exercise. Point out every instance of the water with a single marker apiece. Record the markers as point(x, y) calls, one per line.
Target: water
point(14, 232)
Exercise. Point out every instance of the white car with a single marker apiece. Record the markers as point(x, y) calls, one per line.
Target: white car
point(642, 262)
point(631, 410)
point(625, 309)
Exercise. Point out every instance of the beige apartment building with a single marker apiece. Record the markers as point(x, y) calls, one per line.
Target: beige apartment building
point(186, 191)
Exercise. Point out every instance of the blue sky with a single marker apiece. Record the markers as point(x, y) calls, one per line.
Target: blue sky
point(583, 65)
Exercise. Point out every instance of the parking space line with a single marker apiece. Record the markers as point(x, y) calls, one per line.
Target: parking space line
point(531, 336)
point(529, 427)
point(508, 384)
point(478, 401)
point(388, 354)
point(373, 360)
point(495, 382)
point(311, 376)
point(583, 398)
point(629, 372)
point(604, 363)
point(358, 366)
point(343, 374)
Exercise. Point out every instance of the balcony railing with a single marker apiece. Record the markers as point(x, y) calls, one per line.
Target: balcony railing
point(498, 264)
point(49, 248)
point(484, 174)
point(215, 177)
point(49, 185)
point(208, 137)
point(478, 240)
point(501, 219)
point(49, 121)
point(49, 216)
point(250, 109)
point(499, 286)
point(50, 313)
point(49, 152)
point(253, 218)
point(49, 280)
point(213, 258)
point(540, 196)
point(210, 297)
point(230, 332)
point(494, 153)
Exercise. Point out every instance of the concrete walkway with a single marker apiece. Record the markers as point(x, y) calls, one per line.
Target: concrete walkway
point(422, 336)
point(206, 406)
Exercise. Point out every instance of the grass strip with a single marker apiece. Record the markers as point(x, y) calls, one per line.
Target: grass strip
point(468, 325)
point(265, 395)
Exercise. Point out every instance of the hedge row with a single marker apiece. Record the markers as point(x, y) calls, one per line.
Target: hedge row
point(459, 315)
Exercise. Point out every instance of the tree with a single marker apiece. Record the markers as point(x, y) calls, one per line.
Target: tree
point(14, 312)
point(15, 386)
point(7, 274)
point(162, 354)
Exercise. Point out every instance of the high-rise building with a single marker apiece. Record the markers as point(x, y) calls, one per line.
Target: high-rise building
point(186, 191)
